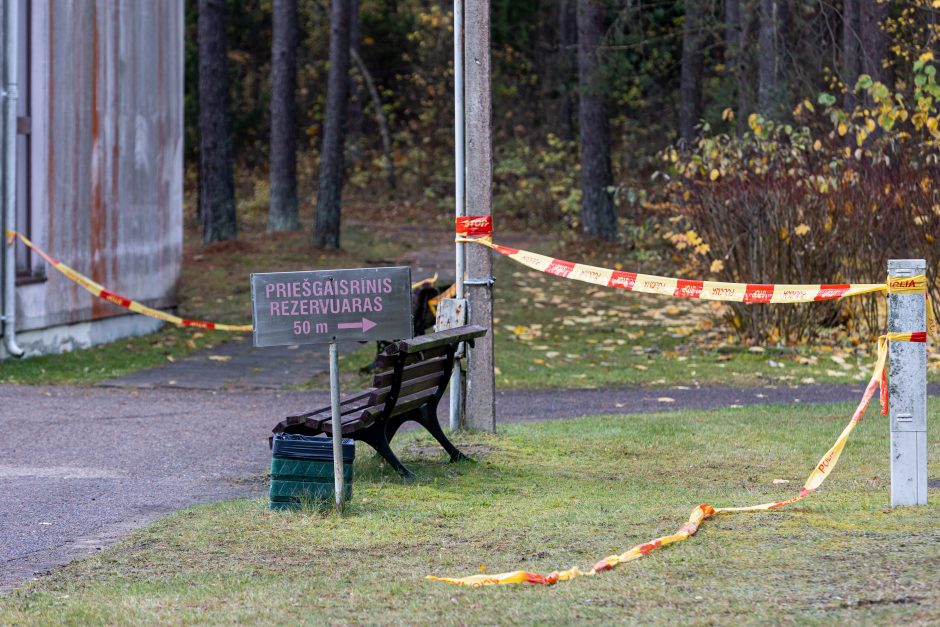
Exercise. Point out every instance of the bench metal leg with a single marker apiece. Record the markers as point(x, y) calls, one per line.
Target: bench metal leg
point(428, 420)
point(375, 437)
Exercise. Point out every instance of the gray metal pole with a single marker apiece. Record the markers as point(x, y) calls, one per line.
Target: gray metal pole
point(907, 389)
point(10, 95)
point(338, 477)
point(481, 385)
point(456, 378)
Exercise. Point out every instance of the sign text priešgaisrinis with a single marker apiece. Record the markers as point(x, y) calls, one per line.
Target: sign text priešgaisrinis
point(331, 305)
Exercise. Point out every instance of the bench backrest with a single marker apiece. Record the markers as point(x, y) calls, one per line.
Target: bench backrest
point(417, 370)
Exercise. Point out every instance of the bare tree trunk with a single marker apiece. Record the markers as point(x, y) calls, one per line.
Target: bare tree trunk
point(768, 73)
point(597, 204)
point(380, 118)
point(734, 56)
point(745, 65)
point(567, 44)
point(850, 51)
point(282, 215)
point(216, 186)
point(330, 183)
point(354, 125)
point(874, 41)
point(690, 79)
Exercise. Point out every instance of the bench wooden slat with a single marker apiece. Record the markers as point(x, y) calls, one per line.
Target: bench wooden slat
point(432, 380)
point(384, 379)
point(440, 338)
point(347, 405)
point(387, 359)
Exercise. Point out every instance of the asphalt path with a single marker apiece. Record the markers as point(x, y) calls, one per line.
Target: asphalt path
point(82, 467)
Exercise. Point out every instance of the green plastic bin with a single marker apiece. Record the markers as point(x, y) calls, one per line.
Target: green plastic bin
point(302, 470)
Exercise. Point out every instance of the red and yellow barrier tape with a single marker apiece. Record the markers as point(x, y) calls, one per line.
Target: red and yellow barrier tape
point(116, 299)
point(479, 230)
point(127, 303)
point(703, 512)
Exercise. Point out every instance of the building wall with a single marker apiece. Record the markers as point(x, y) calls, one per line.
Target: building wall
point(107, 154)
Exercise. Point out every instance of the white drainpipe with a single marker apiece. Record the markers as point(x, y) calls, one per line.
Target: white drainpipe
point(11, 44)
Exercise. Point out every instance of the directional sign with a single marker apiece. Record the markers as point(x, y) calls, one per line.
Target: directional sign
point(331, 305)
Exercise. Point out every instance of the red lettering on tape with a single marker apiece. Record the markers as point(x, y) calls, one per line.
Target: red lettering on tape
point(111, 297)
point(828, 292)
point(623, 280)
point(688, 289)
point(475, 226)
point(560, 267)
point(758, 293)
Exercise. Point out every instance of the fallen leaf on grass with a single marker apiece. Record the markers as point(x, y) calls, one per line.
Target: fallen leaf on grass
point(639, 367)
point(781, 481)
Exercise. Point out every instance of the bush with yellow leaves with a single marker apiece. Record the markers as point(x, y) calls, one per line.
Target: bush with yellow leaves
point(828, 198)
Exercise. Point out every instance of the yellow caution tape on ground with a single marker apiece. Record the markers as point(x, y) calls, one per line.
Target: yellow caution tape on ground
point(121, 301)
point(703, 512)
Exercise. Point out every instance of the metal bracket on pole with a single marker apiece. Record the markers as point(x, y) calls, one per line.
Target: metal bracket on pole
point(485, 281)
point(338, 478)
point(907, 389)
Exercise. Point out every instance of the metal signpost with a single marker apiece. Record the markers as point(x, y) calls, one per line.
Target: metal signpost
point(327, 306)
point(460, 178)
point(907, 389)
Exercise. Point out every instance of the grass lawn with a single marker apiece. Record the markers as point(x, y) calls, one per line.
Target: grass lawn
point(545, 496)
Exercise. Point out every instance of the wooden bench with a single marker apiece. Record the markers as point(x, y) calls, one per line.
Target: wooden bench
point(411, 380)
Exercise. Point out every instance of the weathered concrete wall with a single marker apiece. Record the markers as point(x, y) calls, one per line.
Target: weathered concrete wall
point(107, 159)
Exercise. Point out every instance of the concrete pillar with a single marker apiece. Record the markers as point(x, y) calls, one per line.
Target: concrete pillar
point(481, 386)
point(907, 387)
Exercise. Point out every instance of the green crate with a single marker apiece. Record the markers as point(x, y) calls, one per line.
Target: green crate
point(302, 471)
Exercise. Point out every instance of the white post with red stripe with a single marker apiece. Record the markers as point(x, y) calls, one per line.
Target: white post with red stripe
point(907, 389)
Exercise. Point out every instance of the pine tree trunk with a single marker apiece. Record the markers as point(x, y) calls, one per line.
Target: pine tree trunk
point(734, 56)
point(356, 121)
point(216, 186)
point(745, 65)
point(768, 74)
point(330, 183)
point(597, 204)
point(850, 51)
point(690, 79)
point(282, 215)
point(874, 41)
point(567, 44)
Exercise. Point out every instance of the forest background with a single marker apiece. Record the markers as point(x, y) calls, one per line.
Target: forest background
point(758, 140)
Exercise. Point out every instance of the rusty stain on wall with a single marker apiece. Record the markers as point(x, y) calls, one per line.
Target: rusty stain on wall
point(112, 200)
